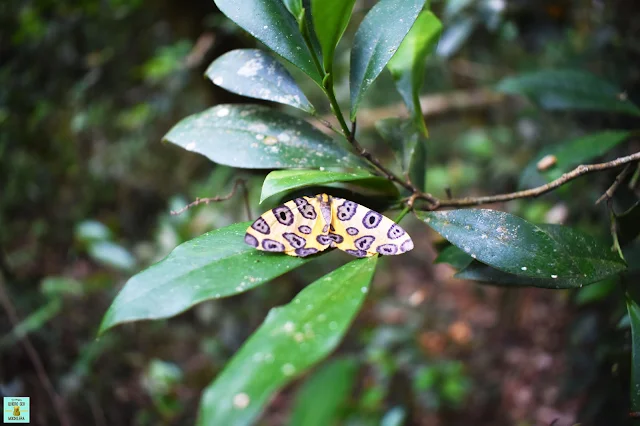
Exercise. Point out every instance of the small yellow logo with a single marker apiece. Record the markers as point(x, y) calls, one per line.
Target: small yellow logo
point(16, 410)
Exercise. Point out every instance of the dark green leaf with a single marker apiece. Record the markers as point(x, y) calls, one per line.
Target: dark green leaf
point(214, 265)
point(409, 145)
point(294, 6)
point(515, 246)
point(634, 316)
point(281, 181)
point(596, 292)
point(408, 64)
point(569, 90)
point(376, 41)
point(570, 154)
point(629, 225)
point(291, 340)
point(258, 137)
point(256, 74)
point(455, 257)
point(330, 19)
point(319, 400)
point(270, 22)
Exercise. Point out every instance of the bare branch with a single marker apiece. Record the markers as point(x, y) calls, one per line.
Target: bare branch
point(543, 189)
point(238, 182)
point(614, 186)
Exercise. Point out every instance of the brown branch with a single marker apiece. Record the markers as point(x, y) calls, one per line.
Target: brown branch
point(41, 373)
point(614, 186)
point(238, 182)
point(537, 191)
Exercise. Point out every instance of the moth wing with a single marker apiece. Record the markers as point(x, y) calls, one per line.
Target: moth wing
point(292, 228)
point(363, 232)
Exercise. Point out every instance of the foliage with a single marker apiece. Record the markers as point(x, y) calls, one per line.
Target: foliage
point(504, 248)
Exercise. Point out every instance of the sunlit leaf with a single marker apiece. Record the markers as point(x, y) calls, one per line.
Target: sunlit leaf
point(291, 340)
point(214, 265)
point(258, 137)
point(270, 22)
point(330, 19)
point(570, 154)
point(569, 90)
point(281, 181)
point(256, 74)
point(408, 64)
point(111, 254)
point(376, 41)
point(455, 35)
point(320, 398)
point(512, 245)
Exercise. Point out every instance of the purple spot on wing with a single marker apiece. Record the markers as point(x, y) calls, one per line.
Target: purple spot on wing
point(251, 240)
point(406, 246)
point(325, 240)
point(304, 229)
point(336, 238)
point(395, 232)
point(261, 226)
point(387, 249)
point(304, 252)
point(352, 231)
point(371, 219)
point(283, 214)
point(363, 243)
point(357, 253)
point(347, 210)
point(296, 241)
point(271, 245)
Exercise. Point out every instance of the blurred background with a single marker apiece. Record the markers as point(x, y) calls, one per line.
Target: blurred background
point(89, 87)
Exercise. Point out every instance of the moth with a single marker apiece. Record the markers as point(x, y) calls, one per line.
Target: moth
point(308, 225)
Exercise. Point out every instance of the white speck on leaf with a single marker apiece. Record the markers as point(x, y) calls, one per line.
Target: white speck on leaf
point(223, 112)
point(288, 369)
point(241, 400)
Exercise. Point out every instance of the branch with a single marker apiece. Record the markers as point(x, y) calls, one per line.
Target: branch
point(238, 182)
point(537, 191)
point(614, 186)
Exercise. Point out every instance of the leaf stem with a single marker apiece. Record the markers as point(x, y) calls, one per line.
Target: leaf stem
point(402, 214)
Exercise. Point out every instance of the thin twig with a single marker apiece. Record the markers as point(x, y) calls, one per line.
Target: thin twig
point(238, 182)
point(543, 189)
point(56, 400)
point(614, 186)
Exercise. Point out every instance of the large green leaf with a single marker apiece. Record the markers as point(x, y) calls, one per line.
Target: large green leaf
point(515, 246)
point(634, 316)
point(570, 154)
point(270, 22)
point(319, 400)
point(291, 340)
point(330, 19)
point(256, 74)
point(569, 90)
point(408, 64)
point(216, 264)
point(281, 181)
point(376, 41)
point(258, 137)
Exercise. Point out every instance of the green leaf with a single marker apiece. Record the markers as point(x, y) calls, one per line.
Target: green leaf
point(270, 22)
point(596, 292)
point(454, 256)
point(409, 145)
point(256, 74)
point(569, 90)
point(214, 265)
point(290, 340)
point(111, 254)
point(570, 154)
point(89, 231)
point(634, 317)
point(258, 137)
point(34, 322)
point(281, 181)
point(318, 402)
point(629, 225)
point(294, 6)
point(330, 19)
point(455, 35)
point(376, 41)
point(408, 64)
point(515, 246)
